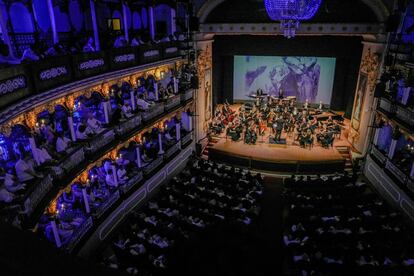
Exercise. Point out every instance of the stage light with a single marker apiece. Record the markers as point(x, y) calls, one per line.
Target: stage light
point(291, 12)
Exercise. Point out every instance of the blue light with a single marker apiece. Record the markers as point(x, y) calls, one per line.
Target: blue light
point(292, 9)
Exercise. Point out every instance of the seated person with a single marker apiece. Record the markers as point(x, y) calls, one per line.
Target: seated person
point(126, 110)
point(93, 124)
point(109, 179)
point(43, 155)
point(141, 103)
point(82, 132)
point(25, 171)
point(11, 182)
point(122, 174)
point(5, 195)
point(62, 143)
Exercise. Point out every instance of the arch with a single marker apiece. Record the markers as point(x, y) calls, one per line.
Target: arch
point(76, 15)
point(377, 6)
point(136, 20)
point(41, 14)
point(21, 18)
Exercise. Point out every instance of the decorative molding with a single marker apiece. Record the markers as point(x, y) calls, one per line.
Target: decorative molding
point(370, 66)
point(13, 84)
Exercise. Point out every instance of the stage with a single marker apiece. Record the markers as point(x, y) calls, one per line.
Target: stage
point(282, 158)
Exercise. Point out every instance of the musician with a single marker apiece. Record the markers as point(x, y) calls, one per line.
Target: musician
point(279, 127)
point(281, 94)
point(306, 138)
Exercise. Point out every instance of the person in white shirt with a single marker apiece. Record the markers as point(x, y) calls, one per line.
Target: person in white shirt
point(127, 110)
point(5, 196)
point(43, 155)
point(93, 124)
point(144, 105)
point(81, 132)
point(62, 143)
point(25, 171)
point(122, 175)
point(109, 179)
point(11, 182)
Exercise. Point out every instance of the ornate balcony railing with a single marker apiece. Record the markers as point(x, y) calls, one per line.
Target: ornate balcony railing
point(107, 204)
point(187, 95)
point(22, 81)
point(378, 155)
point(153, 112)
point(172, 150)
point(79, 234)
point(151, 167)
point(172, 102)
point(395, 171)
point(128, 125)
point(101, 140)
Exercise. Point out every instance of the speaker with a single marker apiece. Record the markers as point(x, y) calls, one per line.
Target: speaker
point(194, 24)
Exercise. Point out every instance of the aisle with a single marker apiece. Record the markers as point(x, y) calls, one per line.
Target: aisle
point(271, 223)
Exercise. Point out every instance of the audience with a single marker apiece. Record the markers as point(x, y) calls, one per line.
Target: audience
point(202, 195)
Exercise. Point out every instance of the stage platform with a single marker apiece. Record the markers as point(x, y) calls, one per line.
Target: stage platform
point(288, 158)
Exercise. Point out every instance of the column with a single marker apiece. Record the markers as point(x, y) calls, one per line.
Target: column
point(139, 161)
point(172, 21)
point(52, 21)
point(157, 97)
point(161, 151)
point(151, 22)
point(412, 170)
point(376, 136)
point(106, 111)
point(33, 148)
point(178, 134)
point(55, 233)
point(4, 29)
point(393, 147)
point(133, 101)
point(94, 24)
point(85, 200)
point(114, 175)
point(124, 15)
point(175, 85)
point(406, 95)
point(71, 128)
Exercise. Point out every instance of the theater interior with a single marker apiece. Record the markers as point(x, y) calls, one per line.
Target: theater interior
point(206, 137)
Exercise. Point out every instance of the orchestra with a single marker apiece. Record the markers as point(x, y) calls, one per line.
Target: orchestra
point(279, 115)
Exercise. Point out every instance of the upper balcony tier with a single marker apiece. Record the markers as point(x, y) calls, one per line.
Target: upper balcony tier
point(34, 80)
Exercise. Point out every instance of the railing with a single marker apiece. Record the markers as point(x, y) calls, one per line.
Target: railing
point(150, 167)
point(128, 125)
point(187, 95)
point(101, 140)
point(107, 204)
point(153, 112)
point(405, 115)
point(172, 102)
point(395, 171)
point(378, 155)
point(21, 81)
point(187, 138)
point(76, 157)
point(132, 182)
point(386, 105)
point(79, 234)
point(172, 150)
point(39, 192)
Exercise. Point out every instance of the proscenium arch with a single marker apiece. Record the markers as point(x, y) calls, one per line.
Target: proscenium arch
point(377, 6)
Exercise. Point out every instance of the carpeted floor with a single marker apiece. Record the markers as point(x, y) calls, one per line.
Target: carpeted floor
point(228, 250)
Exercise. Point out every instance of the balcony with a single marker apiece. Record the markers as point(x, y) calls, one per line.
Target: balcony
point(27, 80)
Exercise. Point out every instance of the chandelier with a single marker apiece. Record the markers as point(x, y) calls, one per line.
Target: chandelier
point(291, 12)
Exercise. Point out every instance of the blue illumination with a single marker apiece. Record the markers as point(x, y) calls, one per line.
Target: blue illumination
point(292, 9)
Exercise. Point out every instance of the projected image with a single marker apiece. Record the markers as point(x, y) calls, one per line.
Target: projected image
point(308, 78)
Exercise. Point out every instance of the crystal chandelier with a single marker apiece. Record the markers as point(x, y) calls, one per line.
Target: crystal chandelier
point(291, 12)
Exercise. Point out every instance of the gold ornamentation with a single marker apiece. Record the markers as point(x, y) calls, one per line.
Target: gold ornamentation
point(370, 66)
